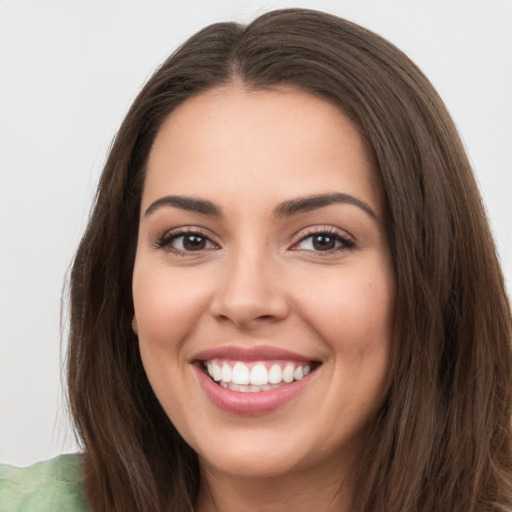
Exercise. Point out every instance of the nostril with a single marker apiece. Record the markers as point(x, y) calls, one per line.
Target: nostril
point(247, 322)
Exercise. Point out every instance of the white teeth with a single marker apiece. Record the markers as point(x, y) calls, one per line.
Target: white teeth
point(217, 374)
point(258, 378)
point(226, 372)
point(251, 388)
point(259, 375)
point(288, 372)
point(275, 375)
point(240, 374)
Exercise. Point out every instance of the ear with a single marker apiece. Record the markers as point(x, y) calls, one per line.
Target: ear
point(135, 327)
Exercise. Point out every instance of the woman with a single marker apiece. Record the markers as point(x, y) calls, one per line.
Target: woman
point(287, 296)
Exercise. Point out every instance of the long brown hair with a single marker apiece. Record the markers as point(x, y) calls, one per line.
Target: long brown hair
point(441, 440)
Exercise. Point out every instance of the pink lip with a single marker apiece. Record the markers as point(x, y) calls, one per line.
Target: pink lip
point(250, 404)
point(260, 353)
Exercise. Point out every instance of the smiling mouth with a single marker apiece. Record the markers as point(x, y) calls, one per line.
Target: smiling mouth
point(256, 376)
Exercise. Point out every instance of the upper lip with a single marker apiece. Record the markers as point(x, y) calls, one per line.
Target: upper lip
point(257, 353)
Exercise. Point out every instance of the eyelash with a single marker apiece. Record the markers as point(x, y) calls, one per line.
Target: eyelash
point(345, 243)
point(165, 242)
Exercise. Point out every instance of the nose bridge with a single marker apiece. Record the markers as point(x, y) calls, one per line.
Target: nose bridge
point(249, 291)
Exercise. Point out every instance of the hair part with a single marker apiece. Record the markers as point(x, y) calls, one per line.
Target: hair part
point(442, 438)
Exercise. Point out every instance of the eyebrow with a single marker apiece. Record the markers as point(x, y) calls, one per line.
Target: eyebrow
point(306, 204)
point(286, 209)
point(185, 203)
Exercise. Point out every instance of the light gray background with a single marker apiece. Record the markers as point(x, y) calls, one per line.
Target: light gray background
point(68, 72)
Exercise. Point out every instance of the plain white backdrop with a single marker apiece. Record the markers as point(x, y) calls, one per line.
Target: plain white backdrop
point(68, 72)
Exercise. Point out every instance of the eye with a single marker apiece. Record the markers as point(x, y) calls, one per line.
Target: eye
point(324, 241)
point(182, 242)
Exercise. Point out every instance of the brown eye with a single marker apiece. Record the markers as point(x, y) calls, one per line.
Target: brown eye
point(323, 242)
point(193, 242)
point(186, 242)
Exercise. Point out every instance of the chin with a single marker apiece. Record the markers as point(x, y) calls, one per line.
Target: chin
point(265, 452)
point(253, 464)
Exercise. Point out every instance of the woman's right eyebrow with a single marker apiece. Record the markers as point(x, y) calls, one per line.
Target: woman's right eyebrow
point(185, 203)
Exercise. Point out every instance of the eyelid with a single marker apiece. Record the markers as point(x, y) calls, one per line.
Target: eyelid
point(164, 241)
point(348, 242)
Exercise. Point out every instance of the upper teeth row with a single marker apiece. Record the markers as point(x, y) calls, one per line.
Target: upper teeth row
point(258, 375)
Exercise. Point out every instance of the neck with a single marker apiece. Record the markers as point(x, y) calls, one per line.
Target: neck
point(323, 491)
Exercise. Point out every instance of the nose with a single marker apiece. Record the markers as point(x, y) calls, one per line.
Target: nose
point(250, 293)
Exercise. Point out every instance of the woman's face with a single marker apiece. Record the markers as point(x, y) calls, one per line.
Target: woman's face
point(263, 284)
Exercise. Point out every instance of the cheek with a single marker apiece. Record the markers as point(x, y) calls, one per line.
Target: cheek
point(354, 315)
point(167, 309)
point(353, 310)
point(167, 305)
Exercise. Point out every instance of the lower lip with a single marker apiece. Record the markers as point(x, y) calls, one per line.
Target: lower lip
point(250, 404)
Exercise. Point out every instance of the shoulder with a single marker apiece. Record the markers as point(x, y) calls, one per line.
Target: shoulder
point(56, 485)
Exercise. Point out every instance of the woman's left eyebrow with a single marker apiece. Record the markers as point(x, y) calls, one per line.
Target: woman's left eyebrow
point(308, 203)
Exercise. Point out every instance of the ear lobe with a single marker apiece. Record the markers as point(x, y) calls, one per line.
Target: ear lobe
point(135, 327)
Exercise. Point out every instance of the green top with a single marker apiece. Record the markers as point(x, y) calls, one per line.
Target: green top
point(53, 486)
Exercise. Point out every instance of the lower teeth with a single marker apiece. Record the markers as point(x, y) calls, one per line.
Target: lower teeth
point(251, 388)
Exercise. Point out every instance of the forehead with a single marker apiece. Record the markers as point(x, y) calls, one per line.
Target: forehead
point(289, 138)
